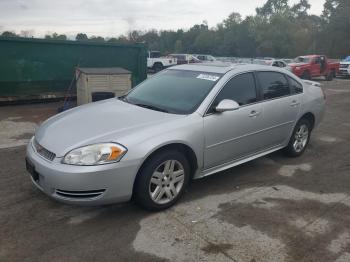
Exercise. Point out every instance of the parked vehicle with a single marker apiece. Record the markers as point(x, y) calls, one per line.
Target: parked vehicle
point(157, 63)
point(307, 67)
point(344, 68)
point(206, 58)
point(288, 60)
point(186, 122)
point(185, 59)
point(272, 62)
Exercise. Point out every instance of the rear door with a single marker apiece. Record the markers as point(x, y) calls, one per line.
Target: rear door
point(280, 107)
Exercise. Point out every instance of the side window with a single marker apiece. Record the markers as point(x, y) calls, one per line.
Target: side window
point(241, 89)
point(295, 86)
point(273, 84)
point(282, 64)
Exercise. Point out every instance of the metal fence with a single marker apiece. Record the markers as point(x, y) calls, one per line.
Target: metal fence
point(31, 67)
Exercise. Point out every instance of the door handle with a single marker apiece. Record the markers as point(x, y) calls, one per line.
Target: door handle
point(294, 103)
point(254, 113)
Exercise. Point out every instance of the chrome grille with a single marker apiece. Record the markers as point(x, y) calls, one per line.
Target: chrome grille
point(43, 151)
point(80, 194)
point(344, 66)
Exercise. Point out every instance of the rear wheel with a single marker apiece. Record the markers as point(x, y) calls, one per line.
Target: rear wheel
point(162, 180)
point(300, 138)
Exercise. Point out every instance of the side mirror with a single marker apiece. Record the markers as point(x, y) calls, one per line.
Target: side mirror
point(227, 105)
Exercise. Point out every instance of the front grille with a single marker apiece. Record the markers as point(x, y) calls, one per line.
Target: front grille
point(344, 66)
point(80, 194)
point(43, 151)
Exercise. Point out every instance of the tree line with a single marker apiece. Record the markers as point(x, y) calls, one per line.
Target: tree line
point(278, 29)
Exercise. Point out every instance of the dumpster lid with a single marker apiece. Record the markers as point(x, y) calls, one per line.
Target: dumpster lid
point(103, 70)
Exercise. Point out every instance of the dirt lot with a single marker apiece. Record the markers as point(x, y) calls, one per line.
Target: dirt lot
point(271, 209)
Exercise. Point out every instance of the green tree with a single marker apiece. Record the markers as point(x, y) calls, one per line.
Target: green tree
point(178, 46)
point(81, 37)
point(56, 36)
point(336, 24)
point(96, 39)
point(8, 34)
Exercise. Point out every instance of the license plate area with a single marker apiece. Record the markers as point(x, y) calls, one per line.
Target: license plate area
point(31, 169)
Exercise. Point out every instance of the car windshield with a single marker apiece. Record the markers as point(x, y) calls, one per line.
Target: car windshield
point(347, 59)
point(302, 59)
point(211, 58)
point(173, 91)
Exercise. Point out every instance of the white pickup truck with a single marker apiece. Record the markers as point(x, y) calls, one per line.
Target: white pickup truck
point(344, 68)
point(158, 63)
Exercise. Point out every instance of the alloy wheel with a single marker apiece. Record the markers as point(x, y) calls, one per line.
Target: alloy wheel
point(167, 181)
point(301, 138)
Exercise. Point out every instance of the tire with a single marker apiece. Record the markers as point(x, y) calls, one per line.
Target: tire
point(158, 67)
point(156, 179)
point(298, 142)
point(306, 75)
point(329, 76)
point(334, 74)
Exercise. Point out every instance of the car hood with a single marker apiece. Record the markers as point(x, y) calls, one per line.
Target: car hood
point(297, 64)
point(104, 121)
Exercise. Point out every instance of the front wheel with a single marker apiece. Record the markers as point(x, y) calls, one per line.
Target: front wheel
point(306, 75)
point(329, 76)
point(300, 138)
point(162, 180)
point(158, 67)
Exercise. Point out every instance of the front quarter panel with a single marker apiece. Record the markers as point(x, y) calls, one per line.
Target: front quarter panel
point(187, 131)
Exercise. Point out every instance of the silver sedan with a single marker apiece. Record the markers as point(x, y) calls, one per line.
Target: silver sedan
point(184, 123)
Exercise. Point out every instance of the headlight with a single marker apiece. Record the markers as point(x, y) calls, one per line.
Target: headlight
point(96, 154)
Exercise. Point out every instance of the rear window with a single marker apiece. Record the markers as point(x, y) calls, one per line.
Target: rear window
point(296, 87)
point(273, 85)
point(155, 54)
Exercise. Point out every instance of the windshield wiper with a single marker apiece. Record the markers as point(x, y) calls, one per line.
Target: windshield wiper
point(123, 98)
point(153, 107)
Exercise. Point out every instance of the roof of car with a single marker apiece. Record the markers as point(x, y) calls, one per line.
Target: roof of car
point(103, 70)
point(310, 56)
point(223, 68)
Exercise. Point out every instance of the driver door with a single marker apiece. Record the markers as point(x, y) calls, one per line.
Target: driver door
point(316, 67)
point(234, 134)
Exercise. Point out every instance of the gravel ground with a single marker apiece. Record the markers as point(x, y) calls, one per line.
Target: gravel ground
point(270, 209)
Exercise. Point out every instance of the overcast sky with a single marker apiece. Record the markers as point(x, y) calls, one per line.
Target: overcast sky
point(109, 18)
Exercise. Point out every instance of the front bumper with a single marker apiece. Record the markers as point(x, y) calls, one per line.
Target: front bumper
point(83, 185)
point(344, 72)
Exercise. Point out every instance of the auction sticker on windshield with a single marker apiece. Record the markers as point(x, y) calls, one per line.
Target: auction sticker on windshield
point(208, 77)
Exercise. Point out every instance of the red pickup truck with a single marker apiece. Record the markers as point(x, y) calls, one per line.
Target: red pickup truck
point(310, 66)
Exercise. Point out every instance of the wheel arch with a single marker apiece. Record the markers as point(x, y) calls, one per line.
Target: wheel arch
point(158, 63)
point(310, 117)
point(177, 146)
point(306, 72)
